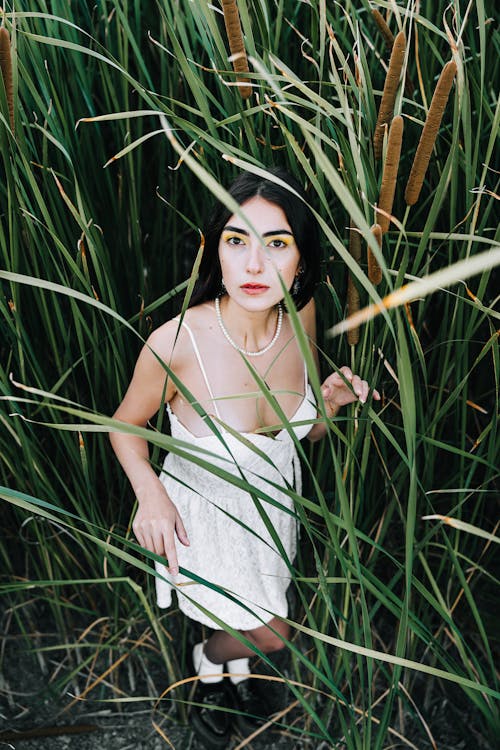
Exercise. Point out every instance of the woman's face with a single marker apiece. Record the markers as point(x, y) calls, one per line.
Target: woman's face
point(253, 255)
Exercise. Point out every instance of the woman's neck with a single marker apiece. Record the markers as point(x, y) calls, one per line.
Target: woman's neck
point(250, 329)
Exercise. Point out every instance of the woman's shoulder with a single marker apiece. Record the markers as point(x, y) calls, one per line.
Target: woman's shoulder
point(199, 316)
point(172, 338)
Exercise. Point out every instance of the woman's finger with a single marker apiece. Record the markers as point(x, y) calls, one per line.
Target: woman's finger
point(335, 380)
point(148, 541)
point(157, 539)
point(365, 388)
point(181, 530)
point(138, 535)
point(170, 553)
point(346, 372)
point(357, 385)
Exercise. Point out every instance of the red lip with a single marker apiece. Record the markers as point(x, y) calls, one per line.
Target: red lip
point(254, 286)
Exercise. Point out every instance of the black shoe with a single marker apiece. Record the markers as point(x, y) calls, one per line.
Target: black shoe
point(251, 704)
point(211, 722)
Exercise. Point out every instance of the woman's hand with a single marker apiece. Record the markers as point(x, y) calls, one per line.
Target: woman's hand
point(337, 392)
point(157, 523)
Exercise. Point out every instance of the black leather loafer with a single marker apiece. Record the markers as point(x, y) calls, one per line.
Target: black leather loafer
point(209, 718)
point(250, 703)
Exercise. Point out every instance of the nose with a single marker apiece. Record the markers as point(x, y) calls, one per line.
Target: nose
point(255, 257)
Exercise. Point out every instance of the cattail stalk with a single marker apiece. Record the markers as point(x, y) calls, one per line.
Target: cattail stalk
point(374, 270)
point(352, 290)
point(6, 67)
point(429, 133)
point(236, 44)
point(389, 93)
point(390, 173)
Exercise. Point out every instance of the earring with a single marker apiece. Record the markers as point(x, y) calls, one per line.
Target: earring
point(296, 282)
point(222, 286)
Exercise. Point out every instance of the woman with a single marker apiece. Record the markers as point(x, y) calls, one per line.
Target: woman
point(235, 335)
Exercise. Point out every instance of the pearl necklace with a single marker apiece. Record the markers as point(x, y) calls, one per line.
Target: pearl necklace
point(258, 353)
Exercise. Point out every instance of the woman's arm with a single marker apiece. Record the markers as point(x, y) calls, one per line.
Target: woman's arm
point(337, 391)
point(157, 520)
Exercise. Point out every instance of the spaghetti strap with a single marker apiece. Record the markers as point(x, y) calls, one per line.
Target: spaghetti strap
point(200, 364)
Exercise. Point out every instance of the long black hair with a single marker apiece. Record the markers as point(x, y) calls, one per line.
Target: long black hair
point(302, 223)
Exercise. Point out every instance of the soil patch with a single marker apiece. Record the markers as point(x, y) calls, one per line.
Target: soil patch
point(54, 698)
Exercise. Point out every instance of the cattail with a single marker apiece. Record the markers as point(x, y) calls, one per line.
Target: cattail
point(374, 270)
point(6, 67)
point(352, 290)
point(429, 133)
point(389, 93)
point(389, 41)
point(390, 173)
point(383, 28)
point(236, 44)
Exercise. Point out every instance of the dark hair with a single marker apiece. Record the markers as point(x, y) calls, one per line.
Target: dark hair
point(302, 223)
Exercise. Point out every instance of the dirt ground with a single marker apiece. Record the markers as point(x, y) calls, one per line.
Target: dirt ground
point(34, 715)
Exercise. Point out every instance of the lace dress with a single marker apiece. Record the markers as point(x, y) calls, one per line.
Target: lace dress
point(244, 575)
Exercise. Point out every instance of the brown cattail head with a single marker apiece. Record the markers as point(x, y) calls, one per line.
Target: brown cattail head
point(352, 307)
point(389, 41)
point(429, 133)
point(352, 290)
point(6, 67)
point(383, 28)
point(236, 44)
point(354, 242)
point(374, 270)
point(390, 173)
point(389, 93)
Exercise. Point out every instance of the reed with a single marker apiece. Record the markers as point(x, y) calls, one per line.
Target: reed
point(390, 174)
point(353, 298)
point(6, 68)
point(391, 84)
point(374, 270)
point(429, 133)
point(236, 45)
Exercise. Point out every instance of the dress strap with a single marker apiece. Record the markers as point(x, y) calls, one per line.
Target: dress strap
point(200, 364)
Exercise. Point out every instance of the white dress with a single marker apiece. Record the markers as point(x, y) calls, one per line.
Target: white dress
point(233, 572)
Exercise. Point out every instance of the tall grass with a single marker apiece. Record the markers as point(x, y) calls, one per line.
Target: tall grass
point(126, 119)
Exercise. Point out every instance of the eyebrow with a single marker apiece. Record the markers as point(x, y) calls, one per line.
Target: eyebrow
point(265, 234)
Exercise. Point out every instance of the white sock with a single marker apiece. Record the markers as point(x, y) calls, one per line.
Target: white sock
point(239, 670)
point(208, 671)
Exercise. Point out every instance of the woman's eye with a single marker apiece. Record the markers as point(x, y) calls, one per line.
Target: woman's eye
point(234, 241)
point(277, 243)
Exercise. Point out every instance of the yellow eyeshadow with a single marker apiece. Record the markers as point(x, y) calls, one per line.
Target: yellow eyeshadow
point(229, 235)
point(285, 238)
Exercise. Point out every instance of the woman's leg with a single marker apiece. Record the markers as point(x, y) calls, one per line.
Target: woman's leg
point(222, 647)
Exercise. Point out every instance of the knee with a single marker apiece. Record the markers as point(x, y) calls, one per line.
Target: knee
point(268, 641)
